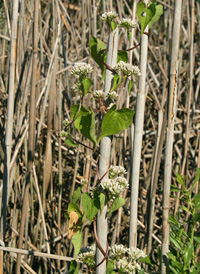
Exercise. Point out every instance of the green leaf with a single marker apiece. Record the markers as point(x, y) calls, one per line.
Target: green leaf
point(146, 260)
point(117, 203)
point(196, 218)
point(129, 35)
point(96, 45)
point(102, 199)
point(70, 142)
point(185, 209)
point(187, 254)
point(116, 120)
point(130, 84)
point(109, 267)
point(74, 207)
point(180, 179)
point(116, 81)
point(90, 206)
point(196, 179)
point(113, 25)
point(197, 239)
point(74, 269)
point(77, 242)
point(173, 220)
point(158, 13)
point(87, 82)
point(76, 195)
point(122, 55)
point(85, 122)
point(175, 241)
point(145, 15)
point(175, 189)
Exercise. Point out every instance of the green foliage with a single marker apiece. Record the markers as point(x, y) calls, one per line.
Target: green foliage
point(148, 15)
point(74, 207)
point(77, 242)
point(122, 55)
point(85, 122)
point(116, 120)
point(90, 206)
point(74, 269)
point(96, 45)
point(184, 243)
point(117, 203)
point(70, 142)
point(76, 195)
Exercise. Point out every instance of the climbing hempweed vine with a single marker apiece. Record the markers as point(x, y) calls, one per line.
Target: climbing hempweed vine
point(121, 259)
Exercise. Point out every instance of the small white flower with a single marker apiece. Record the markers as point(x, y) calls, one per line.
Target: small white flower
point(117, 250)
point(136, 253)
point(124, 265)
point(109, 16)
point(63, 133)
point(127, 23)
point(99, 94)
point(115, 186)
point(66, 122)
point(84, 181)
point(113, 95)
point(127, 69)
point(115, 171)
point(87, 255)
point(82, 69)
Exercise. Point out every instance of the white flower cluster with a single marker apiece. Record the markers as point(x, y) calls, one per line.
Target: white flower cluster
point(98, 94)
point(127, 23)
point(109, 16)
point(82, 69)
point(87, 255)
point(127, 69)
point(115, 186)
point(125, 258)
point(136, 253)
point(115, 171)
point(117, 250)
point(113, 95)
point(126, 266)
point(84, 181)
point(66, 122)
point(63, 133)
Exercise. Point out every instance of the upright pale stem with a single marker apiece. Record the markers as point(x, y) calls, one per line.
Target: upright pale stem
point(104, 161)
point(137, 145)
point(170, 130)
point(9, 126)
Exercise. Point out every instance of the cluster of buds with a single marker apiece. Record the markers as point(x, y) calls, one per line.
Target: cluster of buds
point(109, 16)
point(127, 23)
point(115, 185)
point(125, 259)
point(87, 256)
point(98, 94)
point(127, 69)
point(82, 69)
point(113, 95)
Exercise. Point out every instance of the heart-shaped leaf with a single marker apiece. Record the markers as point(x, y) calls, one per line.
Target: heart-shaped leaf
point(96, 45)
point(116, 120)
point(90, 206)
point(145, 14)
point(77, 242)
point(117, 203)
point(158, 13)
point(85, 122)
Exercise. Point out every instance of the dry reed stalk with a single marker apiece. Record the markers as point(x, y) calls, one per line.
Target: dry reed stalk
point(31, 145)
point(171, 114)
point(137, 145)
